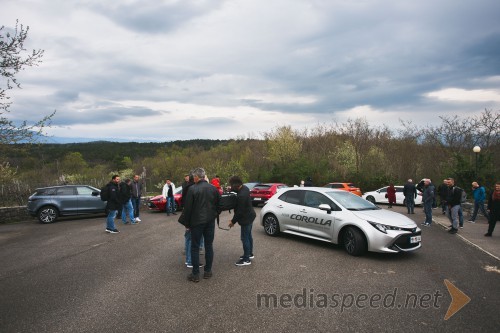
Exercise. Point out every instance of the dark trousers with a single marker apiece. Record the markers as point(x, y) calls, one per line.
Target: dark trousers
point(206, 230)
point(136, 203)
point(247, 240)
point(492, 223)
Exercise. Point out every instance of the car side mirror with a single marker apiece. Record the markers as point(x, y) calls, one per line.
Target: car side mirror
point(326, 208)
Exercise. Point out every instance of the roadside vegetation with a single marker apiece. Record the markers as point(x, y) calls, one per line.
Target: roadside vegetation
point(354, 151)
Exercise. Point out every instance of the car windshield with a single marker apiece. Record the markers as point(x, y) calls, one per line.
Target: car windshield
point(351, 202)
point(261, 187)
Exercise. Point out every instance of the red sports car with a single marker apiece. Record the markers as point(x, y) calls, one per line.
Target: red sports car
point(262, 192)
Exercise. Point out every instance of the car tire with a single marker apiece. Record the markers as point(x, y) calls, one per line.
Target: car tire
point(47, 214)
point(354, 242)
point(271, 225)
point(371, 199)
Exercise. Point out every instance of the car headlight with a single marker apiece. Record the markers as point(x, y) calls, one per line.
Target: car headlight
point(383, 227)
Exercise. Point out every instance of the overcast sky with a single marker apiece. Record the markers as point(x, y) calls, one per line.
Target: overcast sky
point(178, 70)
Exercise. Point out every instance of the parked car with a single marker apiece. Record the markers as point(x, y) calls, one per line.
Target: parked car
point(339, 217)
point(262, 192)
point(378, 196)
point(160, 203)
point(48, 203)
point(350, 187)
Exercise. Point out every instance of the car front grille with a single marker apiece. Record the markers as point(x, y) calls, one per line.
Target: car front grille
point(403, 241)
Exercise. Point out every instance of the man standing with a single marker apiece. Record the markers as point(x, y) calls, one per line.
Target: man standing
point(244, 214)
point(126, 200)
point(494, 209)
point(410, 193)
point(136, 197)
point(168, 194)
point(479, 194)
point(453, 200)
point(200, 207)
point(443, 194)
point(113, 203)
point(428, 198)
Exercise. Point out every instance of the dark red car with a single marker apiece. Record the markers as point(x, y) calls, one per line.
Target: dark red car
point(262, 192)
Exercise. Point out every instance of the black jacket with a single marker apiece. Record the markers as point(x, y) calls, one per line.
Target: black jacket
point(454, 196)
point(410, 190)
point(494, 208)
point(243, 212)
point(185, 188)
point(125, 192)
point(200, 206)
point(136, 189)
point(113, 202)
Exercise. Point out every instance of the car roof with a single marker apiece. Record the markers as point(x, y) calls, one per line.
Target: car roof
point(59, 186)
point(313, 188)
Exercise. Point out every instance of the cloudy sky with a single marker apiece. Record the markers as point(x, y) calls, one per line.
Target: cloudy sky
point(175, 70)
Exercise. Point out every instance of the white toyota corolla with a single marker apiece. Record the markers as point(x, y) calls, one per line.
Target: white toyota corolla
point(339, 217)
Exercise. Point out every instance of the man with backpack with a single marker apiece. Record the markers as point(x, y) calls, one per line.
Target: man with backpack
point(111, 194)
point(244, 214)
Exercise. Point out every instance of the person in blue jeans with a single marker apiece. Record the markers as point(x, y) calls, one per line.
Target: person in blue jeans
point(126, 198)
point(113, 203)
point(244, 215)
point(168, 194)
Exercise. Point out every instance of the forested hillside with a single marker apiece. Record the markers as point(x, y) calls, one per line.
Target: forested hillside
point(353, 151)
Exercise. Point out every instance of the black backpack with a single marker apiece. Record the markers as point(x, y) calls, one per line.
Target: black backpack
point(104, 193)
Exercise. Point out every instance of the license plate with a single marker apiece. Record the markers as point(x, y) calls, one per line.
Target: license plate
point(255, 199)
point(415, 239)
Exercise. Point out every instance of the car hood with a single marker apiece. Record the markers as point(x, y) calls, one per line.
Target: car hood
point(386, 217)
point(156, 198)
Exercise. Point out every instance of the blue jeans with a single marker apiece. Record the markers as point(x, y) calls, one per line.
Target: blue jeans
point(110, 220)
point(247, 240)
point(410, 203)
point(479, 206)
point(453, 215)
point(170, 205)
point(136, 203)
point(428, 212)
point(187, 245)
point(207, 230)
point(128, 208)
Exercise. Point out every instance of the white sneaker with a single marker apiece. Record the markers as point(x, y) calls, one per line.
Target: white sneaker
point(137, 219)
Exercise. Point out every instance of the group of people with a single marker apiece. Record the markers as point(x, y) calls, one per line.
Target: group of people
point(200, 200)
point(123, 198)
point(452, 197)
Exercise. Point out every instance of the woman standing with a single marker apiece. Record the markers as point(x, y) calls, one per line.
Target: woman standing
point(494, 209)
point(391, 194)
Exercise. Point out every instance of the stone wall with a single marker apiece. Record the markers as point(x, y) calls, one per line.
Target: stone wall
point(14, 214)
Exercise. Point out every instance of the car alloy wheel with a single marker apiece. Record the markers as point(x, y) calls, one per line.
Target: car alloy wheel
point(47, 214)
point(354, 242)
point(271, 225)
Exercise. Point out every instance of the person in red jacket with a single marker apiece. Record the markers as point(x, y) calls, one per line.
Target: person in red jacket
point(216, 182)
point(391, 195)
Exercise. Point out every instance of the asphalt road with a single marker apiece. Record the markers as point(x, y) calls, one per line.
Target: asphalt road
point(71, 276)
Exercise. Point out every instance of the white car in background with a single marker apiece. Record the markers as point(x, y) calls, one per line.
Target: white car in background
point(339, 217)
point(378, 196)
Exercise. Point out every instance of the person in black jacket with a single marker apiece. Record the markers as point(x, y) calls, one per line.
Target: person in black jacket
point(200, 211)
point(494, 209)
point(410, 193)
point(453, 201)
point(244, 214)
point(113, 203)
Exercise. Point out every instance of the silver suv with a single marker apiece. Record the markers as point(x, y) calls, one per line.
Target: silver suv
point(48, 203)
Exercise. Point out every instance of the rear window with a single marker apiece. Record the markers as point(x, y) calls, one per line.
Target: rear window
point(351, 185)
point(262, 187)
point(45, 191)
